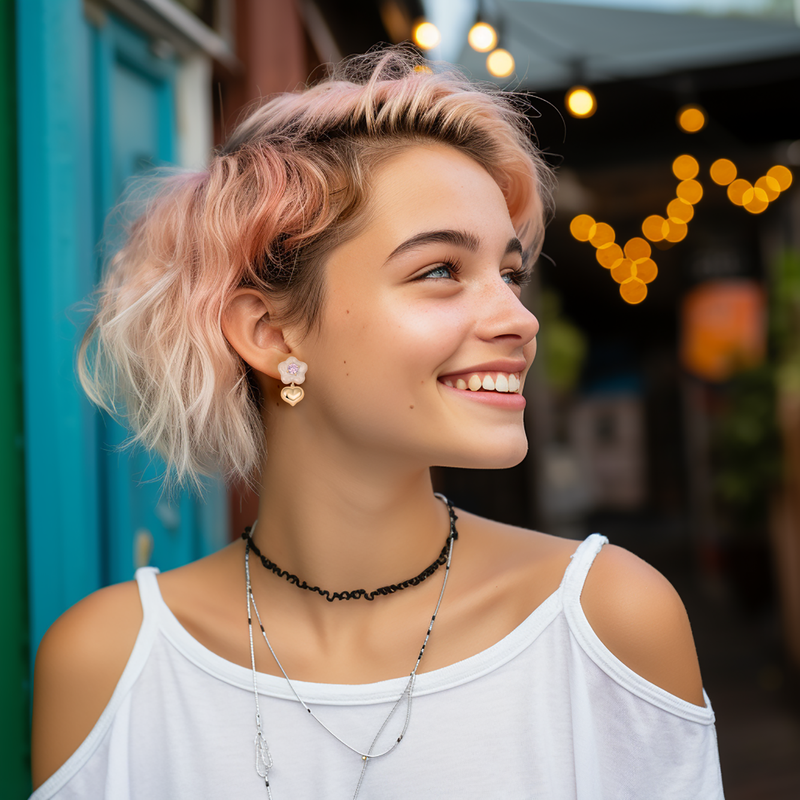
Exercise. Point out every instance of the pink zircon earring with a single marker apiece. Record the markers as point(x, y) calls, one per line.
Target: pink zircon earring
point(293, 371)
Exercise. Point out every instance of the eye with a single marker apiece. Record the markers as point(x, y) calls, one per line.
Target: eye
point(447, 269)
point(517, 277)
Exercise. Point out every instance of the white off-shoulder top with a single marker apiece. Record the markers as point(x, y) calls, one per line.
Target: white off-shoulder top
point(548, 712)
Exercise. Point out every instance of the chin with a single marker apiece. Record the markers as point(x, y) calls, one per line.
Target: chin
point(494, 457)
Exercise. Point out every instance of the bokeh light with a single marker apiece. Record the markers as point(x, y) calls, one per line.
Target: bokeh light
point(426, 35)
point(655, 228)
point(582, 227)
point(424, 68)
point(755, 200)
point(602, 234)
point(684, 168)
point(482, 37)
point(633, 291)
point(609, 255)
point(500, 63)
point(723, 171)
point(691, 119)
point(737, 190)
point(783, 175)
point(646, 270)
point(637, 248)
point(770, 187)
point(623, 271)
point(581, 102)
point(690, 191)
point(677, 231)
point(679, 210)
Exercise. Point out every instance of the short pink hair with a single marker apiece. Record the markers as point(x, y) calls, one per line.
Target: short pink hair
point(291, 182)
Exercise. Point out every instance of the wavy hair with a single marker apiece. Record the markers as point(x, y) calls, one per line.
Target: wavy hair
point(290, 184)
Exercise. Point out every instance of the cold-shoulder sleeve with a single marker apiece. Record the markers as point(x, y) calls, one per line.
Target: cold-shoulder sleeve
point(632, 738)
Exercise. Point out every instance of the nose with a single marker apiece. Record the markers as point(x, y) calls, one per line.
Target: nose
point(502, 315)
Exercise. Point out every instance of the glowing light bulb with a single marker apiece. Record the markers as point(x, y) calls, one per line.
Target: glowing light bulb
point(426, 35)
point(500, 63)
point(581, 103)
point(482, 37)
point(691, 119)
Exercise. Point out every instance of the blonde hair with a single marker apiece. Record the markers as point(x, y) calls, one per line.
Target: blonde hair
point(291, 182)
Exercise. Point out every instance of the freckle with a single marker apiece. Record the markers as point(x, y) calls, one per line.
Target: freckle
point(411, 406)
point(347, 311)
point(347, 374)
point(345, 362)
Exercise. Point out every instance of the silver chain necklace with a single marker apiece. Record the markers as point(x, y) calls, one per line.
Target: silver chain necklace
point(263, 757)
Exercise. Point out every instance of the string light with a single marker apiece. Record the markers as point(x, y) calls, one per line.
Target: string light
point(500, 63)
point(426, 35)
point(581, 102)
point(482, 37)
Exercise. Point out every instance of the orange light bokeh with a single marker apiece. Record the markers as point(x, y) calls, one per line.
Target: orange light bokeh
point(723, 171)
point(685, 168)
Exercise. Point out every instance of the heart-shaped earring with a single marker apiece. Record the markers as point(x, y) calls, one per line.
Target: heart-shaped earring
point(293, 371)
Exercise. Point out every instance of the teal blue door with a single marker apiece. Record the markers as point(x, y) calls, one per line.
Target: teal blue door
point(136, 133)
point(96, 106)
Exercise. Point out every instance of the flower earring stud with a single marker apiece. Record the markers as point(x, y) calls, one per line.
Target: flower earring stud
point(293, 371)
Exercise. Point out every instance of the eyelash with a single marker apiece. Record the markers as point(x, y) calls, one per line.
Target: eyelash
point(518, 276)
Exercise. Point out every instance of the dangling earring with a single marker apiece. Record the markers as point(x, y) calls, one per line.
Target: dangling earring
point(293, 371)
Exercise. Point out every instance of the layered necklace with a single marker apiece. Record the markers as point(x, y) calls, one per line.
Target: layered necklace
point(263, 757)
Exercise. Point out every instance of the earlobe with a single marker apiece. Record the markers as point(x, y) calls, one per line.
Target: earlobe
point(247, 324)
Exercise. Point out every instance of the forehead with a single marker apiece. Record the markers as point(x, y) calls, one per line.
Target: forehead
point(434, 186)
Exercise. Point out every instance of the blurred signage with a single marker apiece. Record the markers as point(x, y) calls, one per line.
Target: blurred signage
point(723, 328)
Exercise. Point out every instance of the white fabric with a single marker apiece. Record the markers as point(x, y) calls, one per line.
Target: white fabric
point(548, 712)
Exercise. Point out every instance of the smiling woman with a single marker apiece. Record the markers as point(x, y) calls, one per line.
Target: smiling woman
point(328, 311)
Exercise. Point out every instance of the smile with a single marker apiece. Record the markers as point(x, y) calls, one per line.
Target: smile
point(504, 382)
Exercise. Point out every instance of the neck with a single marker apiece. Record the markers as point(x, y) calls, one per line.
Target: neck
point(343, 519)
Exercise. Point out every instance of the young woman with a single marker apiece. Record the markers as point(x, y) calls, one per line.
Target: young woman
point(334, 307)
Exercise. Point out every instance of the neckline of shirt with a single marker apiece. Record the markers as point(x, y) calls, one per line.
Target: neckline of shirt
point(468, 669)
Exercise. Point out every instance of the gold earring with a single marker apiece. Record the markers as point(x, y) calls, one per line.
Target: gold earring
point(293, 371)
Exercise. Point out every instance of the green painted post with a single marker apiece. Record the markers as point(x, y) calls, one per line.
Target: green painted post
point(14, 666)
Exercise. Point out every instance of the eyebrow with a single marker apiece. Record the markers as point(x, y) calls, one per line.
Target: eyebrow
point(462, 239)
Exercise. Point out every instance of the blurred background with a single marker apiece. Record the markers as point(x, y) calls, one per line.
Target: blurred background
point(664, 406)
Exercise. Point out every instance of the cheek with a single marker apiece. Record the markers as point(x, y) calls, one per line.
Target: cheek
point(396, 342)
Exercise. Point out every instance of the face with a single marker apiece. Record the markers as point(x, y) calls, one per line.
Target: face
point(421, 308)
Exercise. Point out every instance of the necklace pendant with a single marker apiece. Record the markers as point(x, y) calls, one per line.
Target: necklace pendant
point(263, 756)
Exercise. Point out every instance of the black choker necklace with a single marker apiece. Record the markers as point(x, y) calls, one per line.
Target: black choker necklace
point(361, 594)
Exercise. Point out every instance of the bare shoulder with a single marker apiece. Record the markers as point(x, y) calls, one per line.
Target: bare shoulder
point(78, 664)
point(640, 618)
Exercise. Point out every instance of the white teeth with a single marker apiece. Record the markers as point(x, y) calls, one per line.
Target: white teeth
point(513, 383)
point(474, 383)
point(461, 384)
point(488, 383)
point(501, 383)
point(448, 383)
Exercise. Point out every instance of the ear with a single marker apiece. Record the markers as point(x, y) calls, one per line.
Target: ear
point(247, 324)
